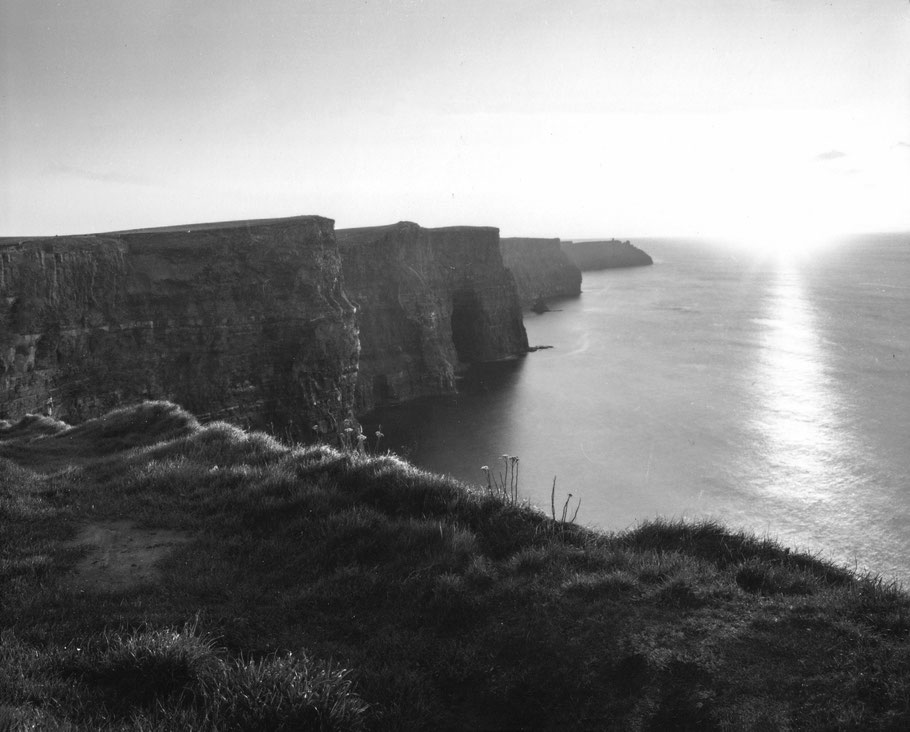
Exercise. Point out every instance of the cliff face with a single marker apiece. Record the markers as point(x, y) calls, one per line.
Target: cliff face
point(428, 300)
point(591, 255)
point(244, 320)
point(541, 269)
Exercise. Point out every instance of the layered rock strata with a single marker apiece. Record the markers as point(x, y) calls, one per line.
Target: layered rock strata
point(428, 302)
point(592, 255)
point(541, 269)
point(241, 320)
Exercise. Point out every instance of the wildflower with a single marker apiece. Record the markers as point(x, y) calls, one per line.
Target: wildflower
point(379, 437)
point(486, 472)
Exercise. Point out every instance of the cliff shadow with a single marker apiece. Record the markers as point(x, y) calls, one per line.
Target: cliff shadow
point(452, 433)
point(468, 334)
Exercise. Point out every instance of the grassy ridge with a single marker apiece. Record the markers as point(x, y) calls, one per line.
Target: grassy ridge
point(325, 590)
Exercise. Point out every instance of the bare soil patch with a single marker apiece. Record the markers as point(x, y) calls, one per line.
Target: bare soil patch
point(121, 555)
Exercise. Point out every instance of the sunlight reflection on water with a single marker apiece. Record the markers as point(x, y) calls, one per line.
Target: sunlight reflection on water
point(797, 411)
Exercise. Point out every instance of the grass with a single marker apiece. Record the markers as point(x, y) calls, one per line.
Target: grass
point(325, 589)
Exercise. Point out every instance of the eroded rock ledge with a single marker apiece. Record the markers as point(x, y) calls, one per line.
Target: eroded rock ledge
point(428, 302)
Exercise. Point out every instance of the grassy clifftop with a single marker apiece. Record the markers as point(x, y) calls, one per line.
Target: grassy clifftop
point(160, 574)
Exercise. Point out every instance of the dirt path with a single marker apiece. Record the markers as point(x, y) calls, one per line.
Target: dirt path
point(120, 555)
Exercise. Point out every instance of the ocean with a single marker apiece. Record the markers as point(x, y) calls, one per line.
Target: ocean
point(772, 395)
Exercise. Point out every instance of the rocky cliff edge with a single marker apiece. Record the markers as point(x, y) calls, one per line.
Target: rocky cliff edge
point(429, 301)
point(241, 320)
point(541, 269)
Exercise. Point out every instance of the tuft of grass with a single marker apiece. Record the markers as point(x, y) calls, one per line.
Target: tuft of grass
point(157, 667)
point(165, 679)
point(46, 445)
point(605, 584)
point(710, 540)
point(282, 693)
point(31, 426)
point(760, 577)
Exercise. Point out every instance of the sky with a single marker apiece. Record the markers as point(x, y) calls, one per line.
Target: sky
point(584, 118)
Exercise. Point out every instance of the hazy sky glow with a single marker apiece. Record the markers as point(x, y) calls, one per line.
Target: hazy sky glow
point(732, 118)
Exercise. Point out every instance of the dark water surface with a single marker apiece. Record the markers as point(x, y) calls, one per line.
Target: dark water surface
point(772, 395)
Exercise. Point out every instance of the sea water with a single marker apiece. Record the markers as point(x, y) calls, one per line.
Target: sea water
point(769, 393)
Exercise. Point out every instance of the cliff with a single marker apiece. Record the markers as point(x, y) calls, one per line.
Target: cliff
point(428, 301)
point(591, 255)
point(541, 269)
point(243, 320)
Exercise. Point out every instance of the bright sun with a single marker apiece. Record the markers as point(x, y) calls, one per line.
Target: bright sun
point(785, 235)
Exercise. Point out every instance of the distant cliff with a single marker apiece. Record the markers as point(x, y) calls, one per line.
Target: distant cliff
point(591, 255)
point(428, 300)
point(541, 269)
point(243, 320)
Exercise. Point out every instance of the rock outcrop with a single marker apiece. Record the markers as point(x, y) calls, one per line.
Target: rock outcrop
point(241, 320)
point(428, 301)
point(541, 269)
point(591, 255)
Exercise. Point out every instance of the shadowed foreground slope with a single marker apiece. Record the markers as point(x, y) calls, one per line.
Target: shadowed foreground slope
point(320, 590)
